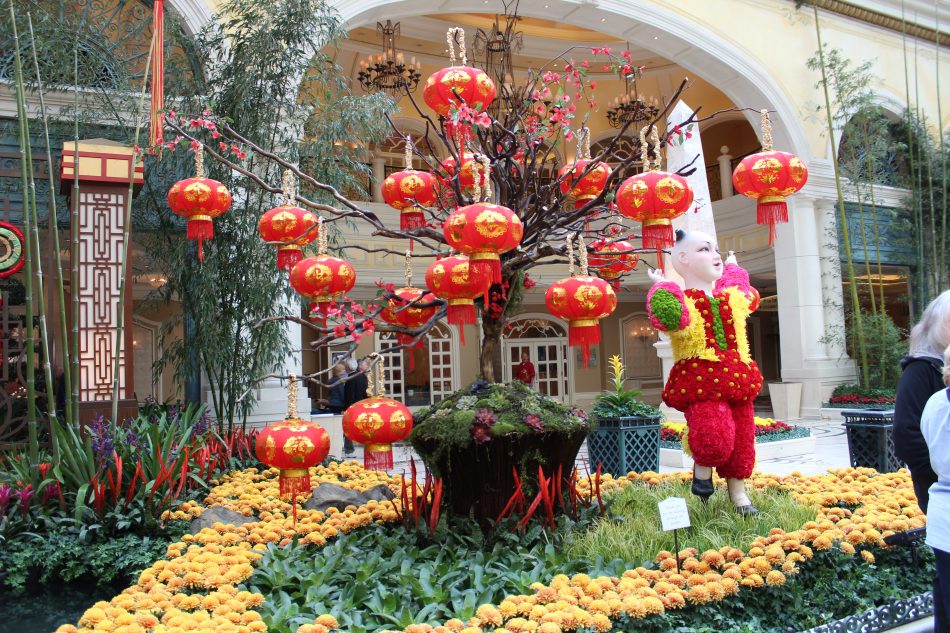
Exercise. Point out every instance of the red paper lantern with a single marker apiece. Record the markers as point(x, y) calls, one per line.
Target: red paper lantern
point(587, 187)
point(466, 175)
point(453, 279)
point(293, 227)
point(322, 279)
point(199, 200)
point(581, 301)
point(293, 446)
point(654, 198)
point(409, 191)
point(769, 178)
point(377, 422)
point(449, 87)
point(483, 231)
point(613, 259)
point(396, 312)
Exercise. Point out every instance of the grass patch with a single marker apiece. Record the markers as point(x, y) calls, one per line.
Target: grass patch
point(632, 530)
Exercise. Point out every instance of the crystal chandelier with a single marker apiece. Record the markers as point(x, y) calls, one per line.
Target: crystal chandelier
point(631, 107)
point(388, 71)
point(498, 45)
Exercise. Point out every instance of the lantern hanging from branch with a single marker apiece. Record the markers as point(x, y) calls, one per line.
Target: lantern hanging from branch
point(582, 301)
point(611, 259)
point(404, 309)
point(583, 187)
point(467, 175)
point(409, 191)
point(654, 198)
point(769, 177)
point(450, 87)
point(453, 279)
point(289, 225)
point(484, 231)
point(322, 279)
point(377, 422)
point(293, 446)
point(199, 200)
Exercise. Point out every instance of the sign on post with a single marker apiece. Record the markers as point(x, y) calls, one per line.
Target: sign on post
point(673, 513)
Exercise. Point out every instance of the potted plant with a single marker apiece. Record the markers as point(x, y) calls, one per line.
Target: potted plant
point(626, 432)
point(474, 440)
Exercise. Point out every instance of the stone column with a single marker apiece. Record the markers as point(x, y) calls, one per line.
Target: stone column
point(665, 352)
point(104, 171)
point(802, 311)
point(725, 171)
point(379, 175)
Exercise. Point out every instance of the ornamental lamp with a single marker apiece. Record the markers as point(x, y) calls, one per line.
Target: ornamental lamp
point(582, 301)
point(377, 422)
point(450, 87)
point(769, 177)
point(453, 279)
point(611, 259)
point(289, 225)
point(466, 175)
point(199, 200)
point(293, 446)
point(403, 309)
point(654, 198)
point(484, 231)
point(322, 279)
point(409, 191)
point(584, 179)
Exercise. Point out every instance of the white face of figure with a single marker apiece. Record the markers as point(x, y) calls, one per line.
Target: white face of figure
point(696, 259)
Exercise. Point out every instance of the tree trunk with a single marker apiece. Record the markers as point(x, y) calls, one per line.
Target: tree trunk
point(490, 356)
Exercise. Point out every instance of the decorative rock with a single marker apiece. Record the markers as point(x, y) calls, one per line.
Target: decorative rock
point(217, 514)
point(379, 493)
point(327, 495)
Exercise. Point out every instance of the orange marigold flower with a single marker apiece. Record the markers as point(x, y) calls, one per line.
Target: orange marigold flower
point(775, 578)
point(601, 622)
point(867, 556)
point(489, 614)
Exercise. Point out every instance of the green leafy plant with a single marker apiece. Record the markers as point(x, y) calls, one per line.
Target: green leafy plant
point(621, 402)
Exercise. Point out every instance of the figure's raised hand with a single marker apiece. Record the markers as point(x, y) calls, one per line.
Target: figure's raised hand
point(731, 259)
point(655, 275)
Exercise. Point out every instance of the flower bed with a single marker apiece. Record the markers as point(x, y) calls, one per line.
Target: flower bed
point(766, 430)
point(197, 586)
point(857, 397)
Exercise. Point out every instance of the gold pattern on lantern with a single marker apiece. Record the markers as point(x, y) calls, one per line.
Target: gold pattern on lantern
point(438, 271)
point(411, 184)
point(491, 224)
point(369, 423)
point(197, 192)
point(767, 169)
point(297, 448)
point(319, 274)
point(670, 190)
point(797, 170)
point(460, 273)
point(455, 77)
point(398, 421)
point(559, 297)
point(588, 296)
point(270, 448)
point(284, 221)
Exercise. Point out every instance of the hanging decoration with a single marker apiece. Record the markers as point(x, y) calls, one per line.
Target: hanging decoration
point(450, 87)
point(590, 185)
point(467, 176)
point(612, 259)
point(654, 197)
point(582, 301)
point(157, 100)
point(293, 446)
point(11, 250)
point(403, 309)
point(409, 191)
point(199, 200)
point(769, 177)
point(288, 224)
point(322, 279)
point(377, 422)
point(453, 279)
point(484, 231)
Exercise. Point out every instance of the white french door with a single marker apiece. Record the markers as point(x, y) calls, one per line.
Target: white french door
point(550, 359)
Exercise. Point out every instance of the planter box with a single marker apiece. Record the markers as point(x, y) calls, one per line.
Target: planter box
point(763, 450)
point(786, 399)
point(622, 445)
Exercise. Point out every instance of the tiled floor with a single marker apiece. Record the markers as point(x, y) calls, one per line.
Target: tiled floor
point(831, 451)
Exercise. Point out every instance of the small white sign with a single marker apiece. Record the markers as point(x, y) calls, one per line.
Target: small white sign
point(673, 513)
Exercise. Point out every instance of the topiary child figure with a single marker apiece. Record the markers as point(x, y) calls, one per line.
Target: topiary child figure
point(714, 379)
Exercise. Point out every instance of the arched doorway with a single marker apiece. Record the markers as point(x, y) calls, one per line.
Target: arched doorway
point(545, 341)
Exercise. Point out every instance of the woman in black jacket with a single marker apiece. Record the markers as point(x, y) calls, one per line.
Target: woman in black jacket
point(920, 379)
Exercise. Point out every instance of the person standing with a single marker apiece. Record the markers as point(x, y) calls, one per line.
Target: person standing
point(920, 379)
point(356, 388)
point(337, 400)
point(935, 428)
point(525, 369)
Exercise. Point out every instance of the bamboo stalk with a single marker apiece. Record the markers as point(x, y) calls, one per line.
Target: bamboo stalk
point(41, 296)
point(26, 173)
point(925, 162)
point(944, 279)
point(917, 211)
point(126, 238)
point(859, 321)
point(74, 237)
point(877, 252)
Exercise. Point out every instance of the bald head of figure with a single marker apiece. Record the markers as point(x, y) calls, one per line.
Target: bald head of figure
point(696, 259)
